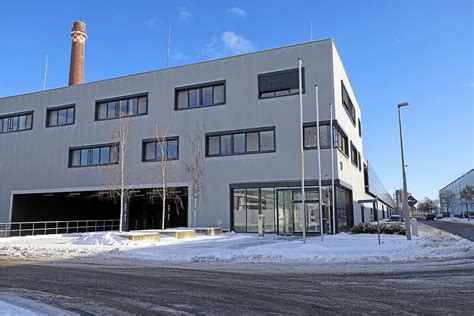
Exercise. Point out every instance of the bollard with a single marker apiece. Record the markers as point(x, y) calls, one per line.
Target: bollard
point(261, 225)
point(414, 226)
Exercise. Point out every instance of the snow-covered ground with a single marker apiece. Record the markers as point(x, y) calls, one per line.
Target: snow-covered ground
point(458, 220)
point(232, 247)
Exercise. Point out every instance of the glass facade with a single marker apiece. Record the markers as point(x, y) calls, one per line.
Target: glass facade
point(282, 210)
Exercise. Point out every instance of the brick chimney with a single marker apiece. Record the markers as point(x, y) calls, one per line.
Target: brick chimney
point(76, 69)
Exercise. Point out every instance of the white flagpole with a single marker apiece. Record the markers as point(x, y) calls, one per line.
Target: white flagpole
point(333, 194)
point(45, 72)
point(319, 166)
point(303, 213)
point(169, 47)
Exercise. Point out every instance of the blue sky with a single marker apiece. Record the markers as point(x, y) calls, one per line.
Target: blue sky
point(394, 50)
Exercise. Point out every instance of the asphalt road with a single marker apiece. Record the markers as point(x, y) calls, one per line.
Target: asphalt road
point(139, 288)
point(460, 229)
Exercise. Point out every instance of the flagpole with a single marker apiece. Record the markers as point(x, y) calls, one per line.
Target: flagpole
point(319, 165)
point(303, 217)
point(333, 193)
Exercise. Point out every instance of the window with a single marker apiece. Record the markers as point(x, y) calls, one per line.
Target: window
point(360, 128)
point(200, 95)
point(280, 83)
point(354, 156)
point(347, 103)
point(240, 142)
point(359, 161)
point(310, 136)
point(248, 204)
point(59, 116)
point(154, 149)
point(121, 107)
point(16, 122)
point(97, 155)
point(341, 141)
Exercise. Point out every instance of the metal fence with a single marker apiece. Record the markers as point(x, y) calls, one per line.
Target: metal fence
point(12, 229)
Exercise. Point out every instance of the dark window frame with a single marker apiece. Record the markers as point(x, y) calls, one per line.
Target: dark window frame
point(155, 141)
point(199, 86)
point(285, 71)
point(58, 108)
point(354, 155)
point(348, 107)
point(335, 127)
point(117, 99)
point(360, 127)
point(240, 131)
point(91, 147)
point(5, 117)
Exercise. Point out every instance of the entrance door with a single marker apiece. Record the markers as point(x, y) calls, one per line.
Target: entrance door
point(285, 212)
point(312, 217)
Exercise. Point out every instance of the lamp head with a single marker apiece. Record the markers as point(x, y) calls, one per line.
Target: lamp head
point(402, 104)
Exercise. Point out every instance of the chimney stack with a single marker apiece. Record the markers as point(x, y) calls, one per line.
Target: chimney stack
point(76, 69)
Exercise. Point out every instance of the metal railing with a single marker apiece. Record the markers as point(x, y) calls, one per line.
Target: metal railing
point(14, 229)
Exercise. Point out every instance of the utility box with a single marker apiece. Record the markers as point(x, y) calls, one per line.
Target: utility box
point(414, 226)
point(261, 225)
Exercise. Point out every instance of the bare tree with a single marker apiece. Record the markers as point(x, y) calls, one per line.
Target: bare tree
point(467, 195)
point(446, 198)
point(195, 167)
point(164, 153)
point(426, 205)
point(120, 179)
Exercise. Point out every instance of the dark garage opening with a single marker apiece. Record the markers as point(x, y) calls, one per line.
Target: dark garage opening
point(145, 208)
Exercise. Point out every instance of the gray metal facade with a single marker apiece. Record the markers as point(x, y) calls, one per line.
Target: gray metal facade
point(36, 160)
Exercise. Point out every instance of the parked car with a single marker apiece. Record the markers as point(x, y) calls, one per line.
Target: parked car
point(430, 217)
point(439, 216)
point(395, 218)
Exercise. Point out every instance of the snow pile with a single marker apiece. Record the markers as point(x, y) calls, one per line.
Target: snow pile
point(458, 220)
point(103, 239)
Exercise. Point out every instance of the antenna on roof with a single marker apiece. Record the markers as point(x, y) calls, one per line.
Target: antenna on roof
point(45, 72)
point(311, 26)
point(169, 47)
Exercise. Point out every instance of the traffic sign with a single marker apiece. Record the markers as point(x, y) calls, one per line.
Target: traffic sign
point(412, 201)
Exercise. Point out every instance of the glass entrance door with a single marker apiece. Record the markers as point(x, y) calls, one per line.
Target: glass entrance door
point(285, 212)
point(289, 212)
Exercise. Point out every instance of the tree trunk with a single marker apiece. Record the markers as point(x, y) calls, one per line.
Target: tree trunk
point(194, 208)
point(163, 209)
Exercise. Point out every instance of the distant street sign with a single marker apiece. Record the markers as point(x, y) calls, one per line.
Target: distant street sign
point(411, 201)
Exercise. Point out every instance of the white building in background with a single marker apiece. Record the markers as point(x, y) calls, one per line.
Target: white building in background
point(459, 207)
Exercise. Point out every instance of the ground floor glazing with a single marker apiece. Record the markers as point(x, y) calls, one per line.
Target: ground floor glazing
point(281, 207)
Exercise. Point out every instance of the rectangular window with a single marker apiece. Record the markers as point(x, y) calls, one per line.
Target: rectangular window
point(347, 103)
point(310, 136)
point(127, 106)
point(201, 95)
point(341, 141)
point(360, 128)
point(16, 122)
point(160, 149)
point(240, 142)
point(279, 83)
point(248, 204)
point(97, 155)
point(59, 116)
point(354, 155)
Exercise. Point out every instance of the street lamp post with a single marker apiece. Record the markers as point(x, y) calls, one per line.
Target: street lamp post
point(405, 194)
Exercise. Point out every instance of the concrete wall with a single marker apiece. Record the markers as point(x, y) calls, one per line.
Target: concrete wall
point(37, 160)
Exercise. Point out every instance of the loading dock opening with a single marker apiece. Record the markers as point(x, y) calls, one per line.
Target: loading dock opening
point(145, 208)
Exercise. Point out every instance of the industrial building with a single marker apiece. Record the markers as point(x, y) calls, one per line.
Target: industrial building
point(58, 151)
point(458, 206)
